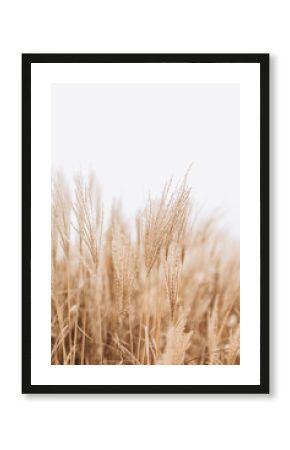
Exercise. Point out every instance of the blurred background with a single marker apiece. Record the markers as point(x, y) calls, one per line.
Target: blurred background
point(136, 136)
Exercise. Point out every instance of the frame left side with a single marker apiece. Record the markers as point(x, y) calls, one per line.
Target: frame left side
point(26, 224)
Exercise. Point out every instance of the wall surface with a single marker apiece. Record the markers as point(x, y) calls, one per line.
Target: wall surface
point(74, 422)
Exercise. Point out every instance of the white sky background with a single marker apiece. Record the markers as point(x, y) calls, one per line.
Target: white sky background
point(136, 136)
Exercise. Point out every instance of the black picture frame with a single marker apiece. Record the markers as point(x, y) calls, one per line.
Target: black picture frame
point(263, 60)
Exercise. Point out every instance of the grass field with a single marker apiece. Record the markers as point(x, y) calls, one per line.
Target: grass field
point(165, 292)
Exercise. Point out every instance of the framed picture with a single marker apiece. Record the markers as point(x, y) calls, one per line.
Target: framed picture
point(145, 223)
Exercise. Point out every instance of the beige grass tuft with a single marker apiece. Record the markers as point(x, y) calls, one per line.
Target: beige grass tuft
point(170, 295)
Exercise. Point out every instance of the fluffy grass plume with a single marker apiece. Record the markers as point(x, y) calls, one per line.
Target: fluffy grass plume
point(167, 294)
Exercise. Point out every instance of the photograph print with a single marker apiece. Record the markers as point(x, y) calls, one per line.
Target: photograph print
point(147, 186)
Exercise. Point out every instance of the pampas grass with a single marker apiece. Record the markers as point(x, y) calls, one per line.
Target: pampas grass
point(170, 295)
